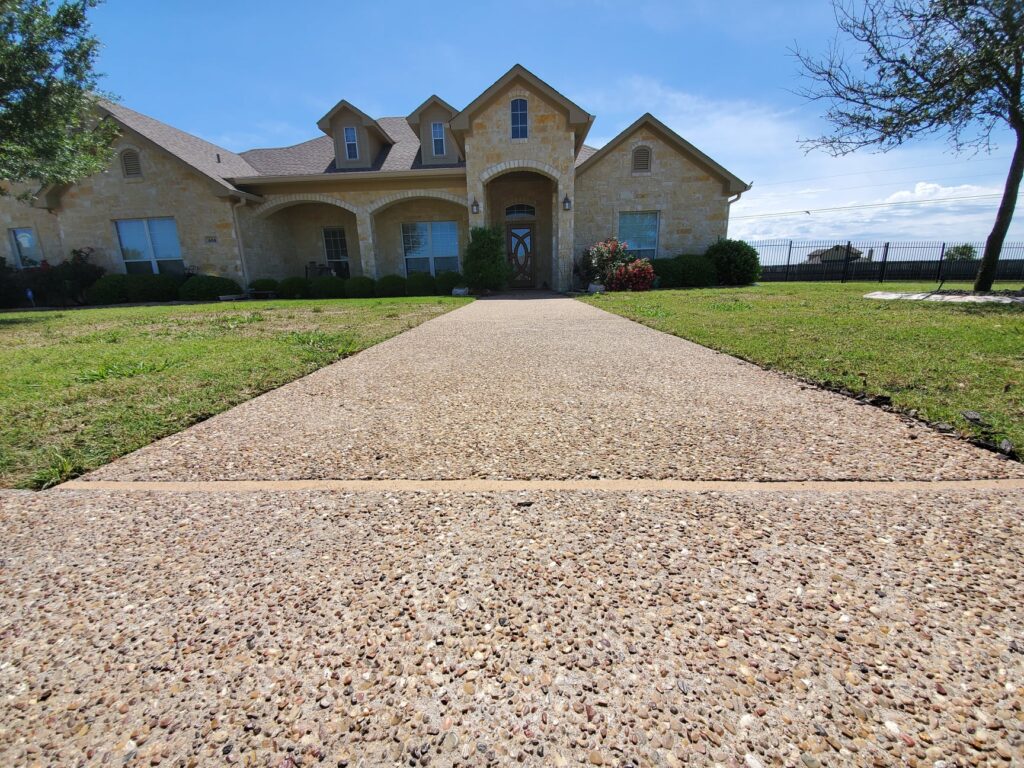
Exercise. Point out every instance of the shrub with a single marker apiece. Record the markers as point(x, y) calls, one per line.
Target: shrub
point(146, 288)
point(735, 261)
point(293, 288)
point(583, 269)
point(685, 271)
point(360, 287)
point(109, 289)
point(207, 288)
point(264, 284)
point(10, 294)
point(606, 257)
point(390, 285)
point(485, 266)
point(65, 283)
point(421, 284)
point(636, 275)
point(327, 287)
point(447, 282)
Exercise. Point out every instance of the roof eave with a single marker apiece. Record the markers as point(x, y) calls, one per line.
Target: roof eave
point(351, 175)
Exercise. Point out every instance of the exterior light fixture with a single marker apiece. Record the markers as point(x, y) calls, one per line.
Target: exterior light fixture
point(566, 204)
point(475, 207)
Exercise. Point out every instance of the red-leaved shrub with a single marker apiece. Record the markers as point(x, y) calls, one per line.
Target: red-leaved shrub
point(635, 275)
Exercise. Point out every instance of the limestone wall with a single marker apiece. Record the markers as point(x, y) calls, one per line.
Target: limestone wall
point(692, 204)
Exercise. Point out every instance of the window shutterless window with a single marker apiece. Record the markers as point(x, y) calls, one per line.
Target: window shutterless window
point(336, 250)
point(431, 246)
point(640, 233)
point(519, 119)
point(150, 246)
point(24, 247)
point(351, 143)
point(437, 134)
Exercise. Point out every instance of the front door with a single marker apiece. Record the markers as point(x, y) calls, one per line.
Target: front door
point(520, 254)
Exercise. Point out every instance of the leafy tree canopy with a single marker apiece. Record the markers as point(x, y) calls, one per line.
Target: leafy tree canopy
point(50, 132)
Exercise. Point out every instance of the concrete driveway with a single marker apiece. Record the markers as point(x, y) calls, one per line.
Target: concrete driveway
point(524, 532)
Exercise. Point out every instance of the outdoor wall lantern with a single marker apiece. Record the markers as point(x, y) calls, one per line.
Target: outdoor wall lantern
point(475, 207)
point(566, 204)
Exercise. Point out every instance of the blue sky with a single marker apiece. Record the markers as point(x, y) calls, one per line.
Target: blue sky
point(259, 73)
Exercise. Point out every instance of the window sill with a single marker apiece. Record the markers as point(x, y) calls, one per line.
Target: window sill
point(520, 141)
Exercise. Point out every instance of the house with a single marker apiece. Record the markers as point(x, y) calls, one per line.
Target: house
point(835, 253)
point(389, 195)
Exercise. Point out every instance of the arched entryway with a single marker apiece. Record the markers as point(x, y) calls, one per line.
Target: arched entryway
point(304, 239)
point(522, 204)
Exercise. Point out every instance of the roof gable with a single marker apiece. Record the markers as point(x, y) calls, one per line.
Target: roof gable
point(578, 117)
point(733, 184)
point(216, 163)
point(324, 123)
point(414, 117)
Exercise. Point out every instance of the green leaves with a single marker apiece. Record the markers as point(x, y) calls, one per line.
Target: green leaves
point(51, 131)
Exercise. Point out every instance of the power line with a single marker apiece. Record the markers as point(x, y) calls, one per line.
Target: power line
point(866, 205)
point(882, 170)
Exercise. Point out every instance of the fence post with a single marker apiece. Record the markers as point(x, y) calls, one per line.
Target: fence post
point(846, 260)
point(789, 255)
point(885, 259)
point(942, 257)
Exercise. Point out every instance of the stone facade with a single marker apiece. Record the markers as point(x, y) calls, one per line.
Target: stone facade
point(266, 215)
point(693, 210)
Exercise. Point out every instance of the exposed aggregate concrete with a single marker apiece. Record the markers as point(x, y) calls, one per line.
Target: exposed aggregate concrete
point(312, 628)
point(550, 388)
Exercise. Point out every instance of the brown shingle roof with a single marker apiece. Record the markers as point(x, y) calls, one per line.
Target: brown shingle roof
point(317, 155)
point(198, 153)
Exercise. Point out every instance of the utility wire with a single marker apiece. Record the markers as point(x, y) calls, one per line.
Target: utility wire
point(866, 205)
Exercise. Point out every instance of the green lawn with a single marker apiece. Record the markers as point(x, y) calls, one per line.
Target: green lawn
point(937, 359)
point(81, 387)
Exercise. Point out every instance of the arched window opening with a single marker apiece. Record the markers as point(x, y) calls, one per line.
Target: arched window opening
point(519, 119)
point(520, 211)
point(131, 165)
point(641, 160)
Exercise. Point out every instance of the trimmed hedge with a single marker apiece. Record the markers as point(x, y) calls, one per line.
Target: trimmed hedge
point(421, 284)
point(294, 288)
point(328, 287)
point(735, 262)
point(264, 284)
point(390, 285)
point(109, 289)
point(685, 271)
point(448, 281)
point(359, 287)
point(207, 288)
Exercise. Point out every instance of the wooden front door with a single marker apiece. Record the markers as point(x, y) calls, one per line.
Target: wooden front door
point(520, 254)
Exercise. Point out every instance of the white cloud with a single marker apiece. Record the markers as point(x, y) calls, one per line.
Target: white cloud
point(759, 141)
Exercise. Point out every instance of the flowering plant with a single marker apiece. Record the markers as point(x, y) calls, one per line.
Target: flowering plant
point(608, 255)
point(636, 275)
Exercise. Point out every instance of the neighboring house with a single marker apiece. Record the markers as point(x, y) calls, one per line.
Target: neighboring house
point(835, 253)
point(387, 195)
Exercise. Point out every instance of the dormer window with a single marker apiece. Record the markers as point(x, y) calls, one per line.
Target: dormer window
point(519, 119)
point(437, 134)
point(131, 165)
point(351, 143)
point(642, 160)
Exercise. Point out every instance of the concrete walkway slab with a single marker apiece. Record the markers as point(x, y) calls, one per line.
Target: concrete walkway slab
point(538, 628)
point(550, 388)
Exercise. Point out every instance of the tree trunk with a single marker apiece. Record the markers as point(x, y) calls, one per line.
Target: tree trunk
point(994, 245)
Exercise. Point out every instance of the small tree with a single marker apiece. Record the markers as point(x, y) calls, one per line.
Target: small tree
point(50, 132)
point(927, 66)
point(962, 252)
point(485, 265)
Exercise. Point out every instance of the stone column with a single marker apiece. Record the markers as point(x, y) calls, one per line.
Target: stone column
point(364, 225)
point(566, 233)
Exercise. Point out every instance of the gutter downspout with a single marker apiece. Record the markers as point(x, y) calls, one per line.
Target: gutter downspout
point(238, 239)
point(732, 200)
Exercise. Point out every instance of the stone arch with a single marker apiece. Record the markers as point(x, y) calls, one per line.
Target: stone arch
point(383, 202)
point(286, 201)
point(521, 165)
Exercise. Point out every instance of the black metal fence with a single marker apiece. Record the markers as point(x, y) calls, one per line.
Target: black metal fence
point(844, 260)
